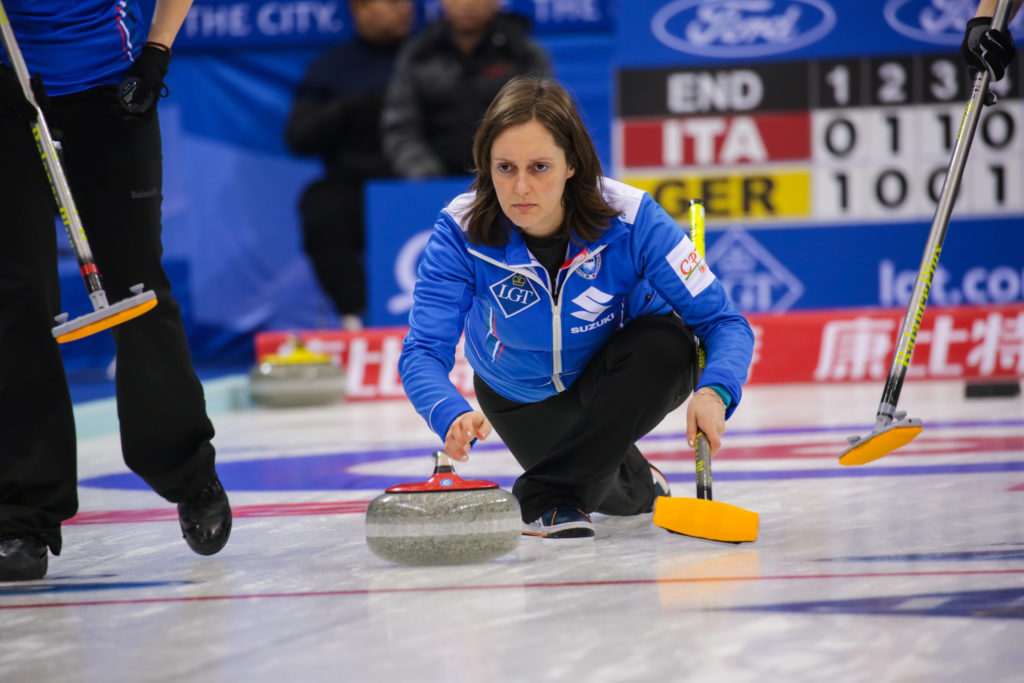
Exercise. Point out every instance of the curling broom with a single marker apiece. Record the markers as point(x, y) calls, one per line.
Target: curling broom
point(702, 517)
point(894, 429)
point(104, 315)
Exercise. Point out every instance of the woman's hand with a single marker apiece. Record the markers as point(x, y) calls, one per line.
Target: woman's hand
point(465, 428)
point(706, 413)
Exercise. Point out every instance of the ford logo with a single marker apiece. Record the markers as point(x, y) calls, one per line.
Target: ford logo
point(742, 28)
point(932, 21)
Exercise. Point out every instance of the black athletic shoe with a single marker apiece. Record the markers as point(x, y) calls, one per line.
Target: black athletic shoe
point(661, 487)
point(205, 519)
point(23, 557)
point(561, 521)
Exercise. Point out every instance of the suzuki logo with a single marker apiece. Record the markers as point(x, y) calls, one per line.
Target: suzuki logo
point(594, 302)
point(742, 28)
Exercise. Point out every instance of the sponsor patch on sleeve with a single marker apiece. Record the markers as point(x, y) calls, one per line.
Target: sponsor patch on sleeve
point(689, 267)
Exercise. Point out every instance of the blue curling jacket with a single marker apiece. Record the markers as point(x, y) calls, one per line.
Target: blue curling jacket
point(528, 342)
point(77, 44)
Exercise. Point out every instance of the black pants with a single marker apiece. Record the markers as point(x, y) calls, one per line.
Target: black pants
point(333, 238)
point(114, 168)
point(579, 445)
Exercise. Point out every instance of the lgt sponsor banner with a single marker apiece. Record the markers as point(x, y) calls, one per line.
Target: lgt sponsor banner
point(824, 267)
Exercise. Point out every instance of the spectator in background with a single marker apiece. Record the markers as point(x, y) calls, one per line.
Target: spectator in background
point(336, 115)
point(444, 81)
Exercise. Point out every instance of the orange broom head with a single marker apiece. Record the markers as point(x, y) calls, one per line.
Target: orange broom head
point(877, 444)
point(708, 519)
point(90, 325)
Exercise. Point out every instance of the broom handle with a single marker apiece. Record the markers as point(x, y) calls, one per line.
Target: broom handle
point(701, 449)
point(54, 170)
point(930, 260)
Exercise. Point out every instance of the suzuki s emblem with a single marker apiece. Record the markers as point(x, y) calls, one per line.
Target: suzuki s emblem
point(742, 28)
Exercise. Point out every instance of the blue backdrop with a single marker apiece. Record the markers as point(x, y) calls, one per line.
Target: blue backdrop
point(231, 230)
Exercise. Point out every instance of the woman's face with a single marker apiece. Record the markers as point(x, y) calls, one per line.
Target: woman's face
point(529, 172)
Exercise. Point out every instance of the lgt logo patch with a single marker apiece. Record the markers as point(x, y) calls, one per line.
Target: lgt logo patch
point(514, 294)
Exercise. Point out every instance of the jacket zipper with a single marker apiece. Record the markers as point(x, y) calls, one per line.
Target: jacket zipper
point(556, 332)
point(556, 308)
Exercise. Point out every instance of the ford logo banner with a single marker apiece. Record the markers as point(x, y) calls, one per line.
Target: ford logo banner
point(742, 28)
point(932, 21)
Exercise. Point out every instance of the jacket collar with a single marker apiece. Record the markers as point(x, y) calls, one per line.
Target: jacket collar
point(515, 253)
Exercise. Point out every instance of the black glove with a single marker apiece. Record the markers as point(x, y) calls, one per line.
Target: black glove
point(987, 48)
point(12, 99)
point(144, 83)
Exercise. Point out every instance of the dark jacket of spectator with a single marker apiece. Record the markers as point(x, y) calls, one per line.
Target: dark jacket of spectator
point(336, 116)
point(337, 109)
point(438, 94)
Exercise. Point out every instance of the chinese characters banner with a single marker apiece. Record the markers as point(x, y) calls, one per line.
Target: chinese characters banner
point(960, 342)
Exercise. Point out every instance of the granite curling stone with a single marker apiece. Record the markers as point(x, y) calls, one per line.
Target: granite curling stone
point(298, 378)
point(444, 520)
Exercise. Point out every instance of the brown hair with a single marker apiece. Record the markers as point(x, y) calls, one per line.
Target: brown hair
point(521, 100)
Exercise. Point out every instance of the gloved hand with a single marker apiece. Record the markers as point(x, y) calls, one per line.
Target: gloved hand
point(986, 48)
point(144, 83)
point(12, 100)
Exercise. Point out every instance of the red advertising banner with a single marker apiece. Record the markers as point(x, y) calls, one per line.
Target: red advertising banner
point(970, 343)
point(975, 342)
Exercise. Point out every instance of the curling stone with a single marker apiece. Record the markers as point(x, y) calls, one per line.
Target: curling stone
point(298, 377)
point(444, 520)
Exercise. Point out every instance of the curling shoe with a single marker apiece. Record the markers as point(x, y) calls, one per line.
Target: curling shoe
point(205, 519)
point(661, 487)
point(562, 521)
point(23, 557)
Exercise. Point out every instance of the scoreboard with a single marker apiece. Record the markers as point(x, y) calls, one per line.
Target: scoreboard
point(819, 134)
point(855, 139)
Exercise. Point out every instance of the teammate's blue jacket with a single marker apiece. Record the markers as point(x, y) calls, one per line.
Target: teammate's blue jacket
point(77, 44)
point(528, 343)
